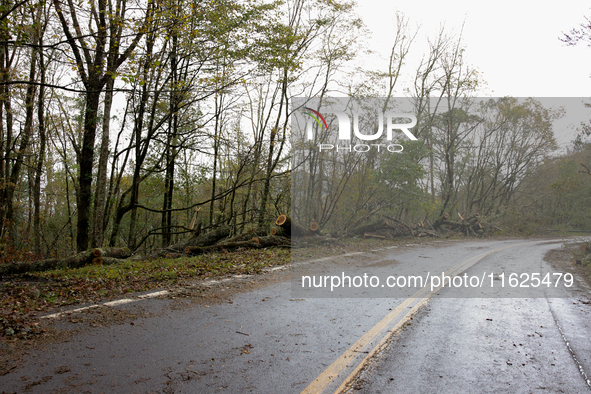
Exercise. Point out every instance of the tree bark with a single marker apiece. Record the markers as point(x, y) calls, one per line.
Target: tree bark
point(202, 240)
point(271, 240)
point(196, 250)
point(101, 183)
point(76, 261)
point(290, 228)
point(85, 162)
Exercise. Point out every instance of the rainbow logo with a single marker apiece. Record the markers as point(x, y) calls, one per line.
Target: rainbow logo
point(316, 117)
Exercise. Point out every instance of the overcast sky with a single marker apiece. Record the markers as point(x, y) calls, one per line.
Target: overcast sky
point(514, 44)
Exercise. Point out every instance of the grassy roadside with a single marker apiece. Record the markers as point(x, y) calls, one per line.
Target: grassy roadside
point(23, 297)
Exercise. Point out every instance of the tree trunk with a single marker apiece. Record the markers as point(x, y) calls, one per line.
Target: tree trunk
point(196, 250)
point(205, 239)
point(272, 160)
point(271, 240)
point(5, 108)
point(15, 173)
point(101, 183)
point(291, 229)
point(76, 261)
point(85, 162)
point(278, 231)
point(40, 159)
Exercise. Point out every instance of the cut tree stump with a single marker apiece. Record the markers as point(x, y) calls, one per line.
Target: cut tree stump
point(314, 227)
point(283, 221)
point(290, 228)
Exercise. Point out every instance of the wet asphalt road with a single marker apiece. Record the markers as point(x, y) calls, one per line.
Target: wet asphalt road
point(284, 339)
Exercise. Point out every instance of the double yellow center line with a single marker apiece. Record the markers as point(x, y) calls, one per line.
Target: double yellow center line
point(334, 369)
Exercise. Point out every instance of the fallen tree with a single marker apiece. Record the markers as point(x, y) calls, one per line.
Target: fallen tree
point(278, 231)
point(272, 240)
point(196, 250)
point(389, 228)
point(201, 240)
point(290, 228)
point(76, 261)
point(285, 233)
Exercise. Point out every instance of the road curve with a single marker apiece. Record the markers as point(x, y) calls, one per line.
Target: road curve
point(280, 338)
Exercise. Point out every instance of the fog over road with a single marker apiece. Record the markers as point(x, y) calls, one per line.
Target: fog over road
point(376, 337)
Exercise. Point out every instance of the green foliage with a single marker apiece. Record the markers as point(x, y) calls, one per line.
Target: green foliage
point(557, 193)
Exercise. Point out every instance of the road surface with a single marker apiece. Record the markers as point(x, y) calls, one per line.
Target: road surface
point(484, 332)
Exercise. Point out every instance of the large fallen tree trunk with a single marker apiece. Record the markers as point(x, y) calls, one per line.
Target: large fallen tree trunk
point(403, 225)
point(387, 229)
point(440, 221)
point(76, 261)
point(370, 228)
point(107, 261)
point(196, 250)
point(278, 231)
point(204, 239)
point(467, 226)
point(271, 240)
point(242, 237)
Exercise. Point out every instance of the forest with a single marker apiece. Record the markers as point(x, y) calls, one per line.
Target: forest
point(135, 123)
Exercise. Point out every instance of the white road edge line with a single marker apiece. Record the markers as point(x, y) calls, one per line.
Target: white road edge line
point(108, 303)
point(209, 282)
